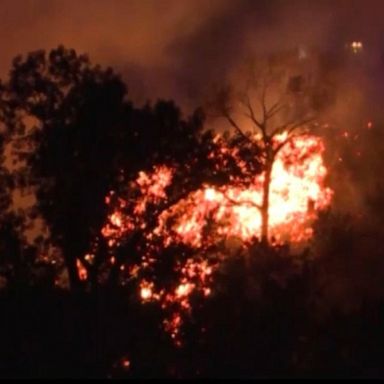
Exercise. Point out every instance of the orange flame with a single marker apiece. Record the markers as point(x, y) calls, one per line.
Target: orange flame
point(296, 191)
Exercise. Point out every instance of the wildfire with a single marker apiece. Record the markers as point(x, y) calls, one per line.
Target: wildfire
point(209, 214)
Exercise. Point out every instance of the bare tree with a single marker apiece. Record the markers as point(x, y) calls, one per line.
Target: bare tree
point(275, 100)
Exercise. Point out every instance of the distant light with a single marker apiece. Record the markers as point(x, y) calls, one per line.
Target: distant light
point(356, 46)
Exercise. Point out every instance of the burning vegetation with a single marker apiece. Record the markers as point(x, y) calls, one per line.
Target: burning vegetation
point(199, 227)
point(166, 225)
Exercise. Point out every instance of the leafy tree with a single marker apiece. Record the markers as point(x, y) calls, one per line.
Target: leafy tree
point(63, 116)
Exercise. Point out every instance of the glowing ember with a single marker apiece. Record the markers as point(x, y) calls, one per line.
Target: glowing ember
point(81, 270)
point(195, 277)
point(184, 290)
point(146, 290)
point(126, 363)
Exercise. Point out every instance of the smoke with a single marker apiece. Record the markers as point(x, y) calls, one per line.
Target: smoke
point(175, 48)
point(179, 48)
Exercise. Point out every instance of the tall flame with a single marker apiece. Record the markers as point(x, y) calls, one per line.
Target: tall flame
point(297, 191)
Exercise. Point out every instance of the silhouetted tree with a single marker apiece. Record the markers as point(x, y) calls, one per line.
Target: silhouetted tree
point(16, 256)
point(62, 115)
point(274, 101)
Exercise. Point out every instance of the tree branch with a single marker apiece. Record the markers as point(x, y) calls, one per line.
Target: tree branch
point(236, 126)
point(263, 101)
point(286, 141)
point(295, 125)
point(252, 116)
point(276, 108)
point(244, 202)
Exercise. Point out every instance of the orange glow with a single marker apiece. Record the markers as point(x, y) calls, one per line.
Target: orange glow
point(126, 363)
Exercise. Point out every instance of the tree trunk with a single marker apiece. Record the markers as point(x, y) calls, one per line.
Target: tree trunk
point(265, 204)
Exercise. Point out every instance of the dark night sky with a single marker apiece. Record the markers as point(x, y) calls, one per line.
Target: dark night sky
point(170, 48)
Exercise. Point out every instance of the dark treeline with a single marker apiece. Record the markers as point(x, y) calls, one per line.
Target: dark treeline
point(69, 137)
